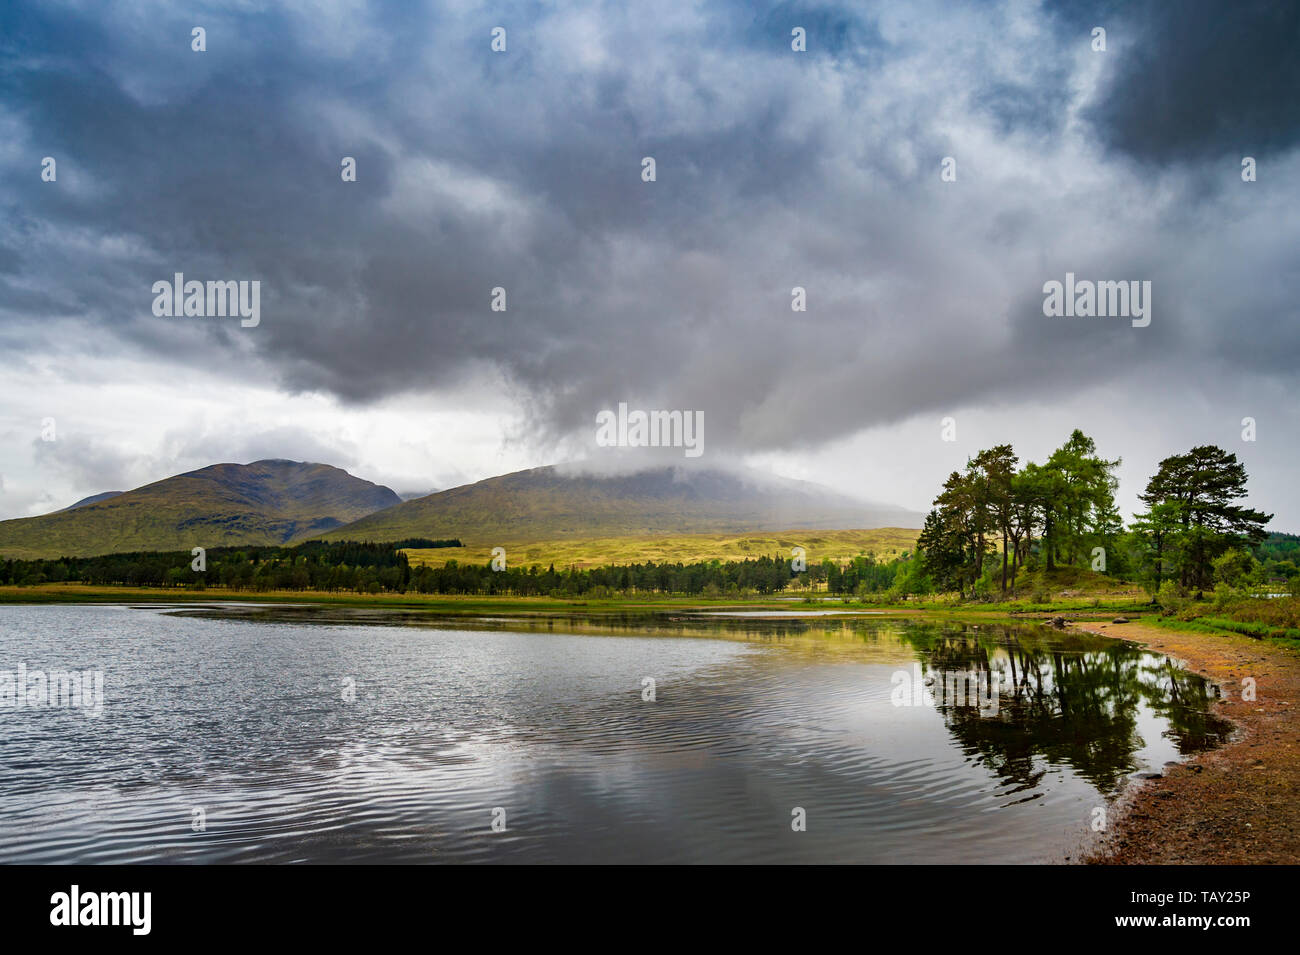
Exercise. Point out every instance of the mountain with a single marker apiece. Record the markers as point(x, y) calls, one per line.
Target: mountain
point(550, 503)
point(93, 499)
point(412, 495)
point(266, 502)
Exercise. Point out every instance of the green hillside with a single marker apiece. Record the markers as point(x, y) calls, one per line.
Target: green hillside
point(266, 502)
point(550, 504)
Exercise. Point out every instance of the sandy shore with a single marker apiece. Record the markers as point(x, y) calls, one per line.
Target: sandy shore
point(1239, 804)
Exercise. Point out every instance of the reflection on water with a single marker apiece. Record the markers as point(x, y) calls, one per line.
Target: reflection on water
point(1066, 699)
point(241, 713)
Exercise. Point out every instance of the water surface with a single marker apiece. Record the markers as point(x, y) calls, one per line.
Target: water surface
point(244, 713)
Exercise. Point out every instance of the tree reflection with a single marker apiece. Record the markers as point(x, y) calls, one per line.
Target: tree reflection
point(1063, 699)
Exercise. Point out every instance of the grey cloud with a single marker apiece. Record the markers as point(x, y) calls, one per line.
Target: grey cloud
point(1197, 80)
point(200, 446)
point(85, 461)
point(522, 171)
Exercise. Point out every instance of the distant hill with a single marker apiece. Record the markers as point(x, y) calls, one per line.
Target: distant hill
point(546, 504)
point(93, 499)
point(412, 495)
point(266, 502)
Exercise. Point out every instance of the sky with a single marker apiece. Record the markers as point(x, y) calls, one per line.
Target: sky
point(378, 348)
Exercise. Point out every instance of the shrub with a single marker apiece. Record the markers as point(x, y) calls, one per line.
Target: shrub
point(1171, 596)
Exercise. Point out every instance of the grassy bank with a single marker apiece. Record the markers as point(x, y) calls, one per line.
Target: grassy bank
point(440, 603)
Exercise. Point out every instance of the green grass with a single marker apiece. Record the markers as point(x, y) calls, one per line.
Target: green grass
point(1218, 626)
point(442, 603)
point(455, 604)
point(1251, 629)
point(1092, 606)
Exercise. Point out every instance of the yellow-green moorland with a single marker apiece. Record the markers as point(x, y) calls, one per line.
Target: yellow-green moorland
point(837, 545)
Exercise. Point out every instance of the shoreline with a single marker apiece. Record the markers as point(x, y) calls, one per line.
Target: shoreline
point(1232, 805)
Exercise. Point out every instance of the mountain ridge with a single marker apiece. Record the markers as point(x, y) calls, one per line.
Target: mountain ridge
point(93, 499)
point(277, 501)
point(272, 501)
point(553, 503)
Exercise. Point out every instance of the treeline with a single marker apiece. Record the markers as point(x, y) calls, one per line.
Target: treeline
point(713, 578)
point(995, 520)
point(383, 568)
point(314, 565)
point(1280, 548)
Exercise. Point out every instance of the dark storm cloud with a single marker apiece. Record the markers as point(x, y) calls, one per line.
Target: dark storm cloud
point(522, 170)
point(1202, 79)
